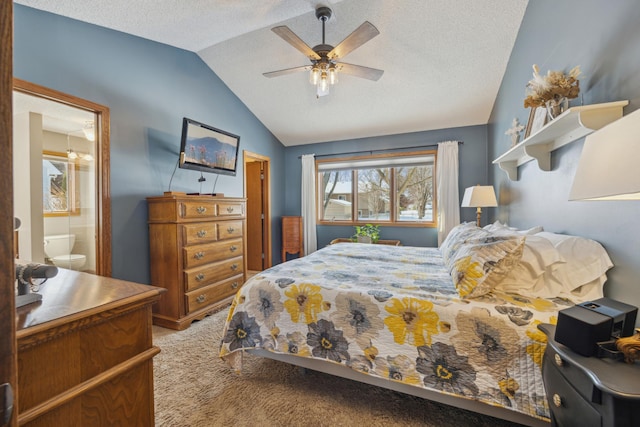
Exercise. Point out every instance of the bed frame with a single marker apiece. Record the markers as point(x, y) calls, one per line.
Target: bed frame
point(456, 401)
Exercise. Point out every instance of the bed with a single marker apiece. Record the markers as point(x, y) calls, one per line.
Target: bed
point(455, 324)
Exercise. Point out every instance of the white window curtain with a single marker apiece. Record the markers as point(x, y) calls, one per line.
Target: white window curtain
point(308, 199)
point(447, 193)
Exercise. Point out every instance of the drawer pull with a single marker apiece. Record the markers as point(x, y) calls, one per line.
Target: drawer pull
point(201, 209)
point(557, 400)
point(234, 285)
point(234, 267)
point(201, 298)
point(233, 248)
point(200, 277)
point(198, 255)
point(558, 359)
point(229, 209)
point(202, 233)
point(230, 230)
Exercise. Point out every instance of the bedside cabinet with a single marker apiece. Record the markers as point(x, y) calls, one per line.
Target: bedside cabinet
point(589, 391)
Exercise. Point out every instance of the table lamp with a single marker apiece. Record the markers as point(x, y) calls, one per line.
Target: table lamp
point(479, 197)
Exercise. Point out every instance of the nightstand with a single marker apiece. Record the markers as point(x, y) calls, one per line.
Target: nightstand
point(589, 391)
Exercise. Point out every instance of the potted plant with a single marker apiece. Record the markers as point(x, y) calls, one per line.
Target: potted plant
point(367, 233)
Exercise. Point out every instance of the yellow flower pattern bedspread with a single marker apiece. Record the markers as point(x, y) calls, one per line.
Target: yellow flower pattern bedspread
point(394, 312)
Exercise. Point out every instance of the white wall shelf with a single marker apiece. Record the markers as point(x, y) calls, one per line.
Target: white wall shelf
point(573, 124)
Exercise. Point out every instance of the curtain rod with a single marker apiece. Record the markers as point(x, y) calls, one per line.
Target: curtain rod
point(379, 150)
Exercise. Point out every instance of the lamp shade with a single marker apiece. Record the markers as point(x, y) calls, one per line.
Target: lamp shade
point(609, 165)
point(479, 196)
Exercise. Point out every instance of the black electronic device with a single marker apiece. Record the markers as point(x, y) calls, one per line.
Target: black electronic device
point(207, 149)
point(583, 326)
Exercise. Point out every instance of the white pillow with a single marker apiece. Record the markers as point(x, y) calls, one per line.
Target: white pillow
point(585, 260)
point(538, 255)
point(532, 230)
point(546, 286)
point(498, 226)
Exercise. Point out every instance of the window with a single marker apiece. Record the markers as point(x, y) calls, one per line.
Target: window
point(397, 189)
point(60, 184)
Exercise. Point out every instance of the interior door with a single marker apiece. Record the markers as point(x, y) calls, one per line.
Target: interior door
point(257, 190)
point(8, 361)
point(255, 216)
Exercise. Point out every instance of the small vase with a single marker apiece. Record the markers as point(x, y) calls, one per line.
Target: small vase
point(364, 239)
point(555, 107)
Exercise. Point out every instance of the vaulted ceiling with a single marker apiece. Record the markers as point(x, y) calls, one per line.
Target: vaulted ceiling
point(443, 60)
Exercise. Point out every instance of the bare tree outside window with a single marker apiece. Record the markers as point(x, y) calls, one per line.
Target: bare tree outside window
point(393, 189)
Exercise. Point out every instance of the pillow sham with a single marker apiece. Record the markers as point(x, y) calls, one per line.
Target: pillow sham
point(538, 255)
point(530, 231)
point(456, 237)
point(477, 266)
point(498, 226)
point(585, 260)
point(546, 286)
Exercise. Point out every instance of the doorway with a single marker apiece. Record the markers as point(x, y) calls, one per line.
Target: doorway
point(61, 179)
point(257, 193)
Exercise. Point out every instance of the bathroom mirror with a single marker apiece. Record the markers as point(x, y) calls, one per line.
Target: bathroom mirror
point(61, 179)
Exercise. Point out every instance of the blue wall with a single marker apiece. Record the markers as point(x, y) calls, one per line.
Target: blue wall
point(149, 87)
point(603, 37)
point(473, 161)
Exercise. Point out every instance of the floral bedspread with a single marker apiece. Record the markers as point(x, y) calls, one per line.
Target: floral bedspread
point(393, 312)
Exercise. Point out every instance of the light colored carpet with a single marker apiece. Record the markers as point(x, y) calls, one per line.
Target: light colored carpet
point(193, 387)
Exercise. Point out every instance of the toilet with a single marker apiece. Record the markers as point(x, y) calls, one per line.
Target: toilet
point(58, 249)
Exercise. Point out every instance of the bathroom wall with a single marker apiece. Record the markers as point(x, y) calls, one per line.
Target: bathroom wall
point(27, 184)
point(83, 223)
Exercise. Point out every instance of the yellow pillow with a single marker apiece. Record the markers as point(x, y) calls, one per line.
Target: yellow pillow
point(478, 266)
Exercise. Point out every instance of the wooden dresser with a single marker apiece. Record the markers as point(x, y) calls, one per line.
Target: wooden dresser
point(85, 353)
point(197, 246)
point(292, 236)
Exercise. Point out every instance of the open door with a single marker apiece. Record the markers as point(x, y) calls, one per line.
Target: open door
point(8, 362)
point(256, 190)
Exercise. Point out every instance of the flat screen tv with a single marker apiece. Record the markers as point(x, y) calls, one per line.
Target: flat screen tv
point(207, 149)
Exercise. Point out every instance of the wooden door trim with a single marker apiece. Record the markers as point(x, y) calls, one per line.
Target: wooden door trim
point(8, 357)
point(103, 180)
point(266, 201)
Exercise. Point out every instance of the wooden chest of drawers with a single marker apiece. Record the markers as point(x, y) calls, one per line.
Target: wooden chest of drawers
point(85, 353)
point(197, 248)
point(292, 236)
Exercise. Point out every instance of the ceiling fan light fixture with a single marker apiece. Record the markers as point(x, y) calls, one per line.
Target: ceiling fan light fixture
point(314, 77)
point(325, 59)
point(323, 85)
point(333, 74)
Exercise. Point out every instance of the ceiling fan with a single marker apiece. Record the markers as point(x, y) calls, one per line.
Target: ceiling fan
point(324, 58)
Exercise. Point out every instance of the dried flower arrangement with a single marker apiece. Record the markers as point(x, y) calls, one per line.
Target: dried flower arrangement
point(555, 85)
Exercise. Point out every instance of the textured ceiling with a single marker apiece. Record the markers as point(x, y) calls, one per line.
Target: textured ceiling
point(443, 60)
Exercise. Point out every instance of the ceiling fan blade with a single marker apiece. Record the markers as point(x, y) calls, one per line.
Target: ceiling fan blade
point(360, 36)
point(287, 71)
point(295, 41)
point(360, 71)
